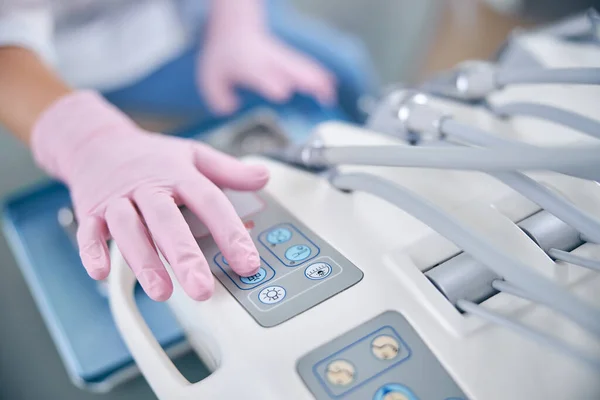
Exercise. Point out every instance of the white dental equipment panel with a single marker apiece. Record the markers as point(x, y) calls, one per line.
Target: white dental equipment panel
point(346, 307)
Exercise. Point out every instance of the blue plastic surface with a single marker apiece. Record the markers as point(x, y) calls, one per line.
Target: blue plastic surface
point(77, 316)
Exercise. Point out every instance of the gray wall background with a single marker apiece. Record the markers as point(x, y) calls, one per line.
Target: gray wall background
point(30, 368)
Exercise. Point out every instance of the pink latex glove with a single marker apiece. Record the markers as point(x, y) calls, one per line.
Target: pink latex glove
point(240, 52)
point(126, 183)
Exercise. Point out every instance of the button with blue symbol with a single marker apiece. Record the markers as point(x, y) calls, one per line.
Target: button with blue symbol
point(224, 260)
point(279, 235)
point(256, 278)
point(271, 295)
point(394, 391)
point(317, 271)
point(298, 253)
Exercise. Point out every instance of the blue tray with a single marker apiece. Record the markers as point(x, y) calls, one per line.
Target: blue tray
point(76, 314)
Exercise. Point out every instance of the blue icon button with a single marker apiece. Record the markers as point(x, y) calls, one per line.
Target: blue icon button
point(279, 235)
point(256, 278)
point(394, 391)
point(272, 295)
point(297, 253)
point(316, 271)
point(224, 260)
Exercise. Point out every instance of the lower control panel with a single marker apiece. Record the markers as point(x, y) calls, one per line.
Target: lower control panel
point(382, 359)
point(298, 269)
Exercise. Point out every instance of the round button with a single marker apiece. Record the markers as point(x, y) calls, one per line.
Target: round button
point(297, 253)
point(385, 347)
point(317, 271)
point(271, 294)
point(394, 391)
point(256, 278)
point(279, 235)
point(224, 260)
point(340, 373)
point(395, 396)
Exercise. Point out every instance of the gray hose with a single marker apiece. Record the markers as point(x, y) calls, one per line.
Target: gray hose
point(559, 206)
point(556, 115)
point(524, 330)
point(578, 162)
point(471, 242)
point(562, 208)
point(454, 129)
point(574, 259)
point(573, 76)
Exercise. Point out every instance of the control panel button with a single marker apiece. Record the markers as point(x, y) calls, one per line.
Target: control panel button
point(385, 347)
point(256, 278)
point(316, 271)
point(340, 373)
point(297, 253)
point(394, 391)
point(224, 260)
point(279, 235)
point(271, 295)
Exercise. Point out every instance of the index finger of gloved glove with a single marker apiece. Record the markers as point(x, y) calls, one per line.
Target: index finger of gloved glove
point(228, 172)
point(93, 250)
point(176, 242)
point(132, 239)
point(213, 208)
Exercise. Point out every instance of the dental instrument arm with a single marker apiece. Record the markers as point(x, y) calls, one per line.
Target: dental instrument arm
point(475, 80)
point(419, 122)
point(582, 162)
point(570, 76)
point(468, 240)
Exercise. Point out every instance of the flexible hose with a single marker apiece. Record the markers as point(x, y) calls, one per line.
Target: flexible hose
point(470, 134)
point(562, 208)
point(471, 242)
point(524, 330)
point(556, 115)
point(574, 259)
point(572, 76)
point(578, 162)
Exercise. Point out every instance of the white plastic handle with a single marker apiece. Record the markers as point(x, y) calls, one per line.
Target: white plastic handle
point(161, 374)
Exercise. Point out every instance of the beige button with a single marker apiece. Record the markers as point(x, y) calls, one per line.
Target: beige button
point(340, 372)
point(395, 396)
point(385, 348)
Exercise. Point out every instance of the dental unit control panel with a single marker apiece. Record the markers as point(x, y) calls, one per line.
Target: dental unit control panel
point(448, 250)
point(298, 269)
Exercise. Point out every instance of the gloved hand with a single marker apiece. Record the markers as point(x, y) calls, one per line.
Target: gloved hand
point(126, 183)
point(240, 52)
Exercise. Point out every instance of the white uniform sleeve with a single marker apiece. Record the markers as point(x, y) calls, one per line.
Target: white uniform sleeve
point(30, 27)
